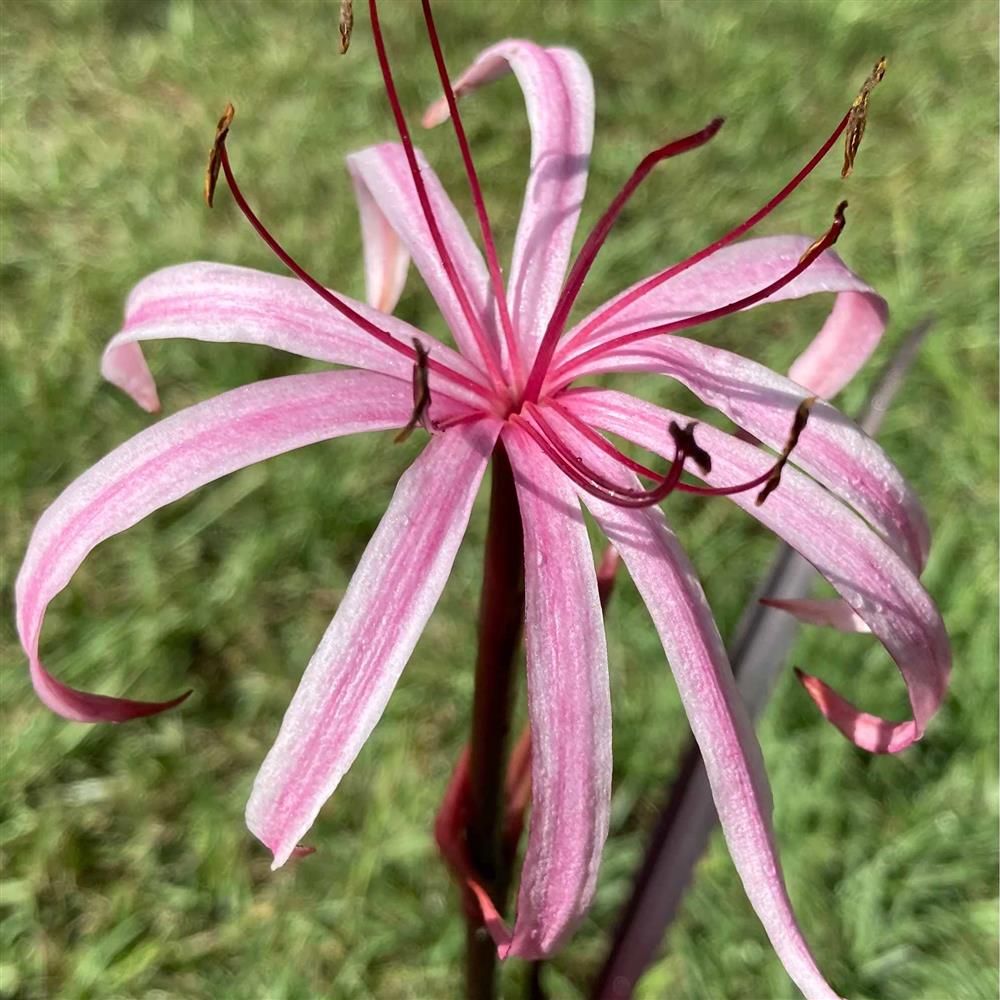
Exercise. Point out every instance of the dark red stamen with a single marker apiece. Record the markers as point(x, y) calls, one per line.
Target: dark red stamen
point(475, 326)
point(324, 293)
point(592, 481)
point(492, 260)
point(826, 241)
point(594, 242)
point(614, 308)
point(765, 479)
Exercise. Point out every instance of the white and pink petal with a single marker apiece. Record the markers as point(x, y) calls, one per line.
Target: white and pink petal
point(349, 679)
point(847, 339)
point(873, 579)
point(169, 460)
point(226, 304)
point(569, 709)
point(559, 96)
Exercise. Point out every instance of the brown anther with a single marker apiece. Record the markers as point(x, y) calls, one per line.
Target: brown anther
point(830, 236)
point(215, 154)
point(798, 426)
point(684, 440)
point(421, 396)
point(346, 25)
point(859, 117)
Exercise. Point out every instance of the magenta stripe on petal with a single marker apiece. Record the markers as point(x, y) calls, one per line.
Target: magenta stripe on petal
point(832, 448)
point(169, 460)
point(850, 334)
point(225, 304)
point(559, 95)
point(358, 661)
point(668, 584)
point(568, 705)
point(873, 579)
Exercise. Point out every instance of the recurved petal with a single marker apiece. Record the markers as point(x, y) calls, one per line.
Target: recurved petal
point(569, 708)
point(382, 171)
point(669, 586)
point(559, 95)
point(168, 460)
point(226, 304)
point(870, 576)
point(357, 663)
point(832, 448)
point(830, 613)
point(847, 339)
point(386, 259)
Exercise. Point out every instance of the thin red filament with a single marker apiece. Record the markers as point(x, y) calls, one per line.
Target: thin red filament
point(809, 257)
point(324, 293)
point(614, 308)
point(594, 242)
point(591, 481)
point(492, 260)
point(486, 349)
point(630, 463)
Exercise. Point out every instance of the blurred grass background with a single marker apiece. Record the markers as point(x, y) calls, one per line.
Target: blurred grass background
point(127, 870)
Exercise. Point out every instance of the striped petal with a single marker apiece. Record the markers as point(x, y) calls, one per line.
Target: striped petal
point(569, 709)
point(873, 579)
point(169, 460)
point(832, 448)
point(355, 668)
point(225, 304)
point(382, 172)
point(559, 95)
point(669, 586)
point(833, 613)
point(386, 259)
point(847, 339)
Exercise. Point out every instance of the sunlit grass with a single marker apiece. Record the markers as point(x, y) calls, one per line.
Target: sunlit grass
point(127, 870)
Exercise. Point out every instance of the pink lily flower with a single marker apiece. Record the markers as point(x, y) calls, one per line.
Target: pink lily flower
point(841, 502)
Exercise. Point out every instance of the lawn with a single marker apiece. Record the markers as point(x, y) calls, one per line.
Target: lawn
point(127, 869)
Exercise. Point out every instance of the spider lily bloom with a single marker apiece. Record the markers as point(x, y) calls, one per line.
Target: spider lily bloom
point(509, 384)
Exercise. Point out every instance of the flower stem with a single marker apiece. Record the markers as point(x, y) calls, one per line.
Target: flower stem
point(500, 619)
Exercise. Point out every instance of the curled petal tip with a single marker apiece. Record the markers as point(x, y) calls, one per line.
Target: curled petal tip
point(435, 114)
point(82, 706)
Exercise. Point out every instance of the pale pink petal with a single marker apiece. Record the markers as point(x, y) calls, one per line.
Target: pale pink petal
point(353, 671)
point(668, 584)
point(386, 259)
point(830, 613)
point(559, 94)
point(872, 578)
point(849, 336)
point(382, 171)
point(168, 460)
point(568, 705)
point(225, 304)
point(832, 448)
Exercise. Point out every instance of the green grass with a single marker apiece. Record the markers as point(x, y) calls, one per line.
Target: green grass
point(127, 870)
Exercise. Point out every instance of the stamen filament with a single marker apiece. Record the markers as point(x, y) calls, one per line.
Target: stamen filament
point(594, 242)
point(614, 308)
point(595, 483)
point(826, 241)
point(769, 479)
point(492, 260)
point(324, 293)
point(486, 349)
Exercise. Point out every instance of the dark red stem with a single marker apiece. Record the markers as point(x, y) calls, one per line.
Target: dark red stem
point(501, 616)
